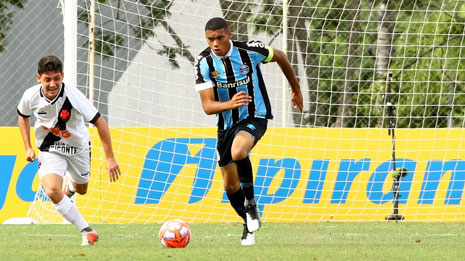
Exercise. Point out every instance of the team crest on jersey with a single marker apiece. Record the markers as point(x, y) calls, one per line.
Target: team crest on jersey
point(215, 74)
point(64, 115)
point(244, 69)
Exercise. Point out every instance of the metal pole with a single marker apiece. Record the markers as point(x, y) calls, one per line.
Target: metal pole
point(70, 42)
point(91, 50)
point(284, 81)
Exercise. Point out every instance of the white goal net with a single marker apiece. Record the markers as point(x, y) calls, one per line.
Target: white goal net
point(366, 68)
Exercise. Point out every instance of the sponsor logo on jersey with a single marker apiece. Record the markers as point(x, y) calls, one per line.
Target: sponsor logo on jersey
point(85, 174)
point(63, 148)
point(57, 132)
point(244, 69)
point(256, 44)
point(42, 112)
point(215, 74)
point(233, 84)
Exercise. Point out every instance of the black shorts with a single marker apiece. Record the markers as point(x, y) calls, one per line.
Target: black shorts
point(254, 126)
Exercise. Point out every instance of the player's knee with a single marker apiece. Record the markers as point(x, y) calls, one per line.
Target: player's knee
point(231, 188)
point(239, 154)
point(55, 195)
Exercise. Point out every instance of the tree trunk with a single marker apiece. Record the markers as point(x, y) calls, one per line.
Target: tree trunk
point(299, 33)
point(345, 99)
point(384, 47)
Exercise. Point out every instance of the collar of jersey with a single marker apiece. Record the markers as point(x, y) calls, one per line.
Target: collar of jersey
point(228, 54)
point(60, 94)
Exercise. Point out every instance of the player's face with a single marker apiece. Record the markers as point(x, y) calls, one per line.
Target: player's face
point(218, 40)
point(51, 82)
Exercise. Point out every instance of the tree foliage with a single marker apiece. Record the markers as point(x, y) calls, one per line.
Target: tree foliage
point(8, 8)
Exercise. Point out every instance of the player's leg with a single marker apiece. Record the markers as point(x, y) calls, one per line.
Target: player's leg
point(229, 171)
point(236, 198)
point(248, 133)
point(231, 181)
point(51, 173)
point(233, 189)
point(243, 143)
point(70, 188)
point(79, 171)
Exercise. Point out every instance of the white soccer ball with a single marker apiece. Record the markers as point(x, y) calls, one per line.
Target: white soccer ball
point(174, 233)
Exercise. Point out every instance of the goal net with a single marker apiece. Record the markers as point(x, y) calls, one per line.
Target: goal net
point(383, 85)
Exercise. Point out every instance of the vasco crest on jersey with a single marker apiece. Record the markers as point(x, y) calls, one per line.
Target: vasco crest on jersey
point(65, 114)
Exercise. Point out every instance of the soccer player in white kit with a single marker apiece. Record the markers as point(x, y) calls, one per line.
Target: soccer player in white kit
point(62, 138)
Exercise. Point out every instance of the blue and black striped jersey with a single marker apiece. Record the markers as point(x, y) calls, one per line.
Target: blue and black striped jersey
point(239, 70)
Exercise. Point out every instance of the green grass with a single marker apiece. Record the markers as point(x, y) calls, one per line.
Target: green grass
point(275, 241)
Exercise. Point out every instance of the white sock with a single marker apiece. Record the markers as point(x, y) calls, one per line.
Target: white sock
point(69, 211)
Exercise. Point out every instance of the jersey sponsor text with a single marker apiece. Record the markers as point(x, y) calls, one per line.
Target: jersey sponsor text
point(233, 84)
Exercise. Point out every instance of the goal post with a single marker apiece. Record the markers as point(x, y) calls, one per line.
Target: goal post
point(334, 162)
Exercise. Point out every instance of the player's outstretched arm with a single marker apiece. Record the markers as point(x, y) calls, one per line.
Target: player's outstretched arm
point(25, 129)
point(283, 62)
point(104, 132)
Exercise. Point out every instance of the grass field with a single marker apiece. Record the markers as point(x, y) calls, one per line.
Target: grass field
point(275, 241)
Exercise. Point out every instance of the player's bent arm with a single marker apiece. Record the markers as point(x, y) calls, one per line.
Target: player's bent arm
point(286, 67)
point(104, 134)
point(25, 129)
point(211, 106)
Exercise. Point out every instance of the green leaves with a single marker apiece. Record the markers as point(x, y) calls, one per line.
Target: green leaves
point(8, 8)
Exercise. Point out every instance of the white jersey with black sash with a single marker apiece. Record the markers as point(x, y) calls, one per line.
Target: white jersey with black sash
point(60, 123)
point(239, 70)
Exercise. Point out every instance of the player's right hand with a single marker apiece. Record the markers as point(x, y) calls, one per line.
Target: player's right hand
point(113, 169)
point(240, 99)
point(30, 155)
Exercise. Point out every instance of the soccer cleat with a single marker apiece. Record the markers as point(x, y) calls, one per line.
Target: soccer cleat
point(248, 238)
point(89, 238)
point(253, 218)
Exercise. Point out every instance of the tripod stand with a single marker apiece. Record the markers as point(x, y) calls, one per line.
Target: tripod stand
point(397, 173)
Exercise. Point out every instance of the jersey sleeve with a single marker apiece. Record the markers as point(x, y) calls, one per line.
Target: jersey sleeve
point(261, 53)
point(24, 107)
point(82, 104)
point(202, 74)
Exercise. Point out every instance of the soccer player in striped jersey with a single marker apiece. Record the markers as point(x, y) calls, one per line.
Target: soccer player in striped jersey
point(230, 84)
point(63, 140)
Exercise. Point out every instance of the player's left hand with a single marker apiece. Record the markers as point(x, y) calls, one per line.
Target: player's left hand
point(297, 100)
point(113, 169)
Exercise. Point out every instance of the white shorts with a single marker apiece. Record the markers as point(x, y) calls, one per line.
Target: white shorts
point(77, 165)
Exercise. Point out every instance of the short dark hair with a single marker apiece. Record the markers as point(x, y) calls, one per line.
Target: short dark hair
point(216, 23)
point(50, 63)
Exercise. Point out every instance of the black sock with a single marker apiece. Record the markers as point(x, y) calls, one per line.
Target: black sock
point(244, 169)
point(237, 202)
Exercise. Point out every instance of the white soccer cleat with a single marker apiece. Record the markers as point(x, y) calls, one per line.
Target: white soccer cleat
point(89, 238)
point(248, 238)
point(253, 218)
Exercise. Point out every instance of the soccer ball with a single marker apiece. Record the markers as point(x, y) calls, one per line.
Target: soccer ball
point(175, 233)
